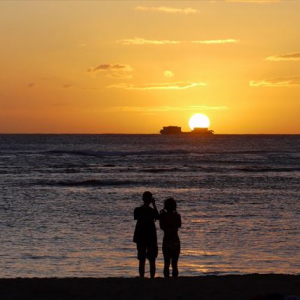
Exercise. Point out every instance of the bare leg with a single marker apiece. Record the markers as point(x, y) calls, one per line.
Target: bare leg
point(167, 262)
point(175, 265)
point(142, 267)
point(152, 267)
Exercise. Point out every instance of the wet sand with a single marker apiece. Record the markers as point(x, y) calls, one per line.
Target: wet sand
point(200, 288)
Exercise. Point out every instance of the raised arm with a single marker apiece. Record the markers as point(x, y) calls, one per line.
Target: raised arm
point(156, 214)
point(161, 220)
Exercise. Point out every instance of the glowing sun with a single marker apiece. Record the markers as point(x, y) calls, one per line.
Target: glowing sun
point(199, 121)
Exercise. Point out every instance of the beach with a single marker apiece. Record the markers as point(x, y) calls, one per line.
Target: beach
point(229, 287)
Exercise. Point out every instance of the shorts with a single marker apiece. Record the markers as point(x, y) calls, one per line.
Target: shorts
point(149, 252)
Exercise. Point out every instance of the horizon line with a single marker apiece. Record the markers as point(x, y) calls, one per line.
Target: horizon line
point(53, 133)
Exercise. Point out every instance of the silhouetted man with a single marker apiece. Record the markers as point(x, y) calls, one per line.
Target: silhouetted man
point(145, 233)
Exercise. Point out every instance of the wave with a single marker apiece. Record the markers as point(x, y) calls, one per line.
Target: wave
point(262, 170)
point(34, 257)
point(162, 170)
point(87, 183)
point(117, 153)
point(271, 154)
point(201, 169)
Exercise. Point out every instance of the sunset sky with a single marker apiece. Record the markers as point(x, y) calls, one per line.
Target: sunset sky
point(133, 67)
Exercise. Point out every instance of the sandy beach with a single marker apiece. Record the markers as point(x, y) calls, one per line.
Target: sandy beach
point(200, 288)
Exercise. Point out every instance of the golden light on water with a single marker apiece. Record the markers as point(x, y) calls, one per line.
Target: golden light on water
point(199, 121)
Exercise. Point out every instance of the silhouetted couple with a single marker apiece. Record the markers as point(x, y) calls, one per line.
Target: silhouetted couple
point(146, 239)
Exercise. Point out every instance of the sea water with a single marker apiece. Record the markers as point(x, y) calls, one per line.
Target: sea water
point(67, 201)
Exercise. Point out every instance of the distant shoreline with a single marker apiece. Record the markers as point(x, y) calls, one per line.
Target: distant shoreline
point(228, 287)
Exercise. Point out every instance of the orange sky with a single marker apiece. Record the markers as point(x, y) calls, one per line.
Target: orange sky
point(133, 67)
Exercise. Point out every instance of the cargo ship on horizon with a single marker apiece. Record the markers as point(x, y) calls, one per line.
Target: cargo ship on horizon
point(177, 130)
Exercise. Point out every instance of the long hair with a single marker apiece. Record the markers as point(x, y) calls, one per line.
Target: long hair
point(170, 205)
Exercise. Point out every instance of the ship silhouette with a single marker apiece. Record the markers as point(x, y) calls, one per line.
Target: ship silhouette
point(177, 130)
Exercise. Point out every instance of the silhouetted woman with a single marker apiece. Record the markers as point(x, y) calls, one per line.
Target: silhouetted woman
point(170, 222)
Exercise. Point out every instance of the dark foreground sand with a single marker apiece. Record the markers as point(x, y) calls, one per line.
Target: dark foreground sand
point(200, 288)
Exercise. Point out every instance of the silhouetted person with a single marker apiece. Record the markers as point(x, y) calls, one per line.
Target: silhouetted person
point(145, 233)
point(170, 222)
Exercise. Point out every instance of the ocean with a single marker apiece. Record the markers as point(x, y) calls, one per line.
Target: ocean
point(67, 201)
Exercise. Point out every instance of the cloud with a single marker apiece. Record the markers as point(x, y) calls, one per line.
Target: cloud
point(158, 86)
point(115, 71)
point(142, 41)
point(168, 74)
point(115, 75)
point(66, 86)
point(225, 41)
point(155, 109)
point(110, 67)
point(277, 82)
point(295, 56)
point(170, 10)
point(254, 1)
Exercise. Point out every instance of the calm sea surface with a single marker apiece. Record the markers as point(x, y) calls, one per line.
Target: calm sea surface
point(66, 202)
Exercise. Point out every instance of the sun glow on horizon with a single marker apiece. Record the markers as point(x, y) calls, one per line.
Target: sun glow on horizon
point(199, 121)
point(133, 78)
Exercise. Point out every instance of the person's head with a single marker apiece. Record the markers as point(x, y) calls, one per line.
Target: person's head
point(147, 197)
point(170, 205)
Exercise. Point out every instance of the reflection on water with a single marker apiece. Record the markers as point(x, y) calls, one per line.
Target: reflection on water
point(70, 213)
